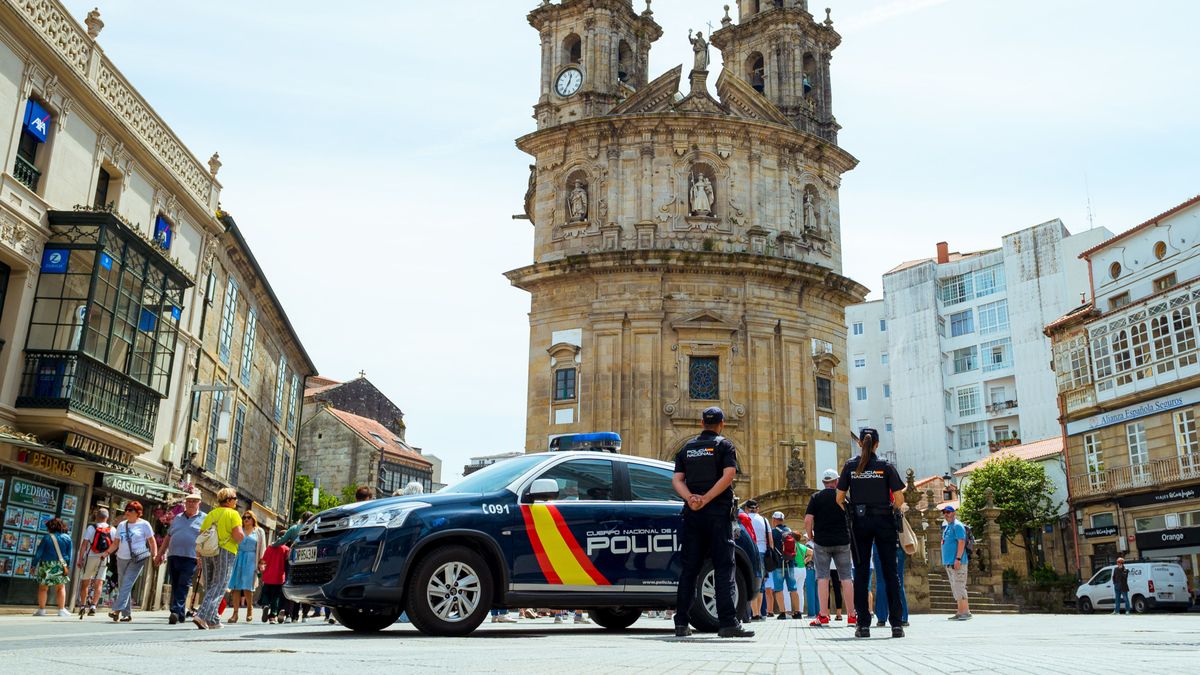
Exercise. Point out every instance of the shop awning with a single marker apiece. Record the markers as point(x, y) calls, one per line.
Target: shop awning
point(148, 484)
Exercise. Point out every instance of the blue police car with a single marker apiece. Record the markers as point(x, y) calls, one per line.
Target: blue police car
point(567, 529)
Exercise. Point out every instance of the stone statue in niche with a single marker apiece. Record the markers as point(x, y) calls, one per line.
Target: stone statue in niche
point(578, 202)
point(811, 222)
point(797, 474)
point(700, 47)
point(702, 196)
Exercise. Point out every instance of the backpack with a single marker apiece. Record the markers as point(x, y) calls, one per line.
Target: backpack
point(969, 547)
point(102, 540)
point(789, 546)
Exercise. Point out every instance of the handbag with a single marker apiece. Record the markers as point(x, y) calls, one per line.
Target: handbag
point(58, 552)
point(136, 557)
point(207, 543)
point(908, 538)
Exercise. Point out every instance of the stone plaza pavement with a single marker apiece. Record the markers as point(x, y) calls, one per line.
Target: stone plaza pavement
point(1000, 643)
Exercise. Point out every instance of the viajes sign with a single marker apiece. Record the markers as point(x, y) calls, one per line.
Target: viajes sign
point(1164, 497)
point(1107, 531)
point(1133, 412)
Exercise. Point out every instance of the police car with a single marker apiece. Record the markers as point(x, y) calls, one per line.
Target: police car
point(567, 529)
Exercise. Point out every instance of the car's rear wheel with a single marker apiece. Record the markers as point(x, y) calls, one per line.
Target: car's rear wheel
point(615, 618)
point(1139, 604)
point(703, 616)
point(1085, 605)
point(450, 592)
point(363, 621)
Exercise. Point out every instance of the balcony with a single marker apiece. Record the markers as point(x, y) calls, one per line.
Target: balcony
point(74, 382)
point(27, 173)
point(1079, 398)
point(1120, 479)
point(1000, 444)
point(1001, 407)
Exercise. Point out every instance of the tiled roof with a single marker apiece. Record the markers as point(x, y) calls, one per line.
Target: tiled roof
point(1029, 452)
point(316, 385)
point(318, 381)
point(379, 436)
point(1083, 309)
point(1137, 228)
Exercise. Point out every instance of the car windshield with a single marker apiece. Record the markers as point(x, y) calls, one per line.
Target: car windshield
point(496, 476)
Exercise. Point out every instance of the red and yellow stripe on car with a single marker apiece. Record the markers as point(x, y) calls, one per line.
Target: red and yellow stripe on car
point(560, 556)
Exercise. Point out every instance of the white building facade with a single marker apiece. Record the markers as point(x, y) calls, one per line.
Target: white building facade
point(868, 372)
point(967, 364)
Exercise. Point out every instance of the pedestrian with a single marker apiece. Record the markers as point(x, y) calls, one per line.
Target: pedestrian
point(217, 569)
point(274, 576)
point(94, 550)
point(784, 577)
point(955, 557)
point(871, 491)
point(247, 566)
point(364, 494)
point(1120, 579)
point(179, 550)
point(414, 488)
point(136, 546)
point(825, 524)
point(811, 599)
point(704, 471)
point(51, 568)
point(761, 534)
point(883, 608)
point(292, 609)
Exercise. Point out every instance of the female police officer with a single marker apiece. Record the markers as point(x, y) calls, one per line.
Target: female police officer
point(873, 511)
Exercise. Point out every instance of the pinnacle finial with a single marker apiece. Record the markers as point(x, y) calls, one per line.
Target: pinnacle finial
point(828, 18)
point(726, 20)
point(214, 163)
point(648, 12)
point(93, 23)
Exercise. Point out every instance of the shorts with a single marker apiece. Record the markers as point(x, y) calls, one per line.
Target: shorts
point(822, 555)
point(958, 581)
point(784, 575)
point(93, 567)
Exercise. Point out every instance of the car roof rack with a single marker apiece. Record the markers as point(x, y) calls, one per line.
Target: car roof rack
point(599, 441)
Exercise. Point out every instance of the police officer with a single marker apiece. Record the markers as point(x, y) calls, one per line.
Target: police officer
point(704, 472)
point(876, 496)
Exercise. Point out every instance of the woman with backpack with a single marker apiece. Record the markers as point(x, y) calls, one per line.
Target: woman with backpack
point(225, 524)
point(94, 550)
point(135, 547)
point(51, 568)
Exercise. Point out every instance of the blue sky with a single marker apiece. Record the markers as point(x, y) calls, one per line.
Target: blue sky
point(368, 155)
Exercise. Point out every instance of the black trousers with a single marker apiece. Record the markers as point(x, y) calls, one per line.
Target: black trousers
point(879, 531)
point(707, 535)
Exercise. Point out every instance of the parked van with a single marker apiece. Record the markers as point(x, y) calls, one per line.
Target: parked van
point(1152, 585)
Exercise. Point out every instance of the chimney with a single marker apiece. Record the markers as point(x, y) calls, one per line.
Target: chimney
point(943, 255)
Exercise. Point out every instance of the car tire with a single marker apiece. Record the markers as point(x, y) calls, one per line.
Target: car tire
point(450, 592)
point(1085, 605)
point(615, 618)
point(703, 615)
point(362, 621)
point(1138, 604)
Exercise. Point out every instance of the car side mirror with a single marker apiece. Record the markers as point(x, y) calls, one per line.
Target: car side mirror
point(542, 488)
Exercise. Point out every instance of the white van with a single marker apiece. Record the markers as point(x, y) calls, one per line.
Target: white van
point(1151, 585)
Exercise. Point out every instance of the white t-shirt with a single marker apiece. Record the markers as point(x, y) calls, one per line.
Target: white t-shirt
point(760, 531)
point(135, 535)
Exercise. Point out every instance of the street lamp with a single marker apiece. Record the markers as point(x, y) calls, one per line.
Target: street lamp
point(947, 487)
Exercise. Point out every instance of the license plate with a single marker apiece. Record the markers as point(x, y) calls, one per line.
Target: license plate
point(1168, 596)
point(306, 554)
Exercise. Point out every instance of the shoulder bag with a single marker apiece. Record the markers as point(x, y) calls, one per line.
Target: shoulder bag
point(136, 557)
point(908, 538)
point(208, 543)
point(58, 551)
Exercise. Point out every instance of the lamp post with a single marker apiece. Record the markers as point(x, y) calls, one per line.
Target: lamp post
point(947, 487)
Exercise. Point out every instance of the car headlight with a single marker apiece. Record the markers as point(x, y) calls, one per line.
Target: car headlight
point(390, 516)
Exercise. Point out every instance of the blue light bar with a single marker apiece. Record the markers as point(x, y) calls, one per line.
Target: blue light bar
point(601, 441)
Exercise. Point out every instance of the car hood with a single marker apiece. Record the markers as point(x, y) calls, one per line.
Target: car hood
point(433, 499)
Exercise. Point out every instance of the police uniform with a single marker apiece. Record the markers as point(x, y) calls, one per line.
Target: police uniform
point(872, 518)
point(707, 532)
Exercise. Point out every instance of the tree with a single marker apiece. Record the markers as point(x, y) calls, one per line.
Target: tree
point(1022, 492)
point(302, 497)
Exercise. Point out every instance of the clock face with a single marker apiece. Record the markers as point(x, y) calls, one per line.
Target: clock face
point(569, 82)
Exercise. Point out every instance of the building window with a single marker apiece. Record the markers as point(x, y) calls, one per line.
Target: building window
point(1114, 270)
point(965, 359)
point(883, 359)
point(968, 401)
point(962, 323)
point(280, 380)
point(887, 425)
point(1118, 301)
point(883, 325)
point(235, 444)
point(1186, 441)
point(857, 328)
point(34, 131)
point(564, 384)
point(824, 393)
point(214, 427)
point(988, 281)
point(1165, 282)
point(269, 491)
point(101, 198)
point(1120, 348)
point(164, 232)
point(971, 436)
point(956, 289)
point(947, 399)
point(887, 390)
point(295, 397)
point(860, 393)
point(1160, 250)
point(285, 475)
point(1094, 459)
point(1139, 452)
point(248, 346)
point(1103, 519)
point(195, 406)
point(228, 313)
point(860, 362)
point(1070, 363)
point(821, 347)
point(993, 317)
point(997, 355)
point(704, 378)
point(941, 326)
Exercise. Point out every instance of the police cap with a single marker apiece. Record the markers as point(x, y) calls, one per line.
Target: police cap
point(713, 415)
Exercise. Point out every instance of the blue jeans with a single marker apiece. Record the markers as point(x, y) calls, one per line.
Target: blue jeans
point(181, 569)
point(128, 571)
point(810, 592)
point(1117, 596)
point(881, 598)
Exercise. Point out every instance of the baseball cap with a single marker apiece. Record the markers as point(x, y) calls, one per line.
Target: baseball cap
point(778, 515)
point(751, 503)
point(948, 508)
point(829, 474)
point(192, 495)
point(713, 415)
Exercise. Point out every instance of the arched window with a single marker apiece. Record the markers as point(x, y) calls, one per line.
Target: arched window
point(1120, 347)
point(1102, 357)
point(624, 62)
point(1140, 338)
point(572, 49)
point(1163, 347)
point(809, 78)
point(756, 73)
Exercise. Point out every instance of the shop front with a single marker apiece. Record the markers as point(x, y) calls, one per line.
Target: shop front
point(1166, 526)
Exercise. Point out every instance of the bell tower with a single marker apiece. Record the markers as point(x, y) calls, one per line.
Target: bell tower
point(595, 54)
point(783, 52)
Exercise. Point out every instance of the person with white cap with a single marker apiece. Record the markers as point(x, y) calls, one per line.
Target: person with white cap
point(784, 578)
point(179, 549)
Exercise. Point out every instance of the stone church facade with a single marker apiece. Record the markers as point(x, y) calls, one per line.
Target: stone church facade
point(687, 248)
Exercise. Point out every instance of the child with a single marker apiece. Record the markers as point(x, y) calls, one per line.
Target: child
point(273, 577)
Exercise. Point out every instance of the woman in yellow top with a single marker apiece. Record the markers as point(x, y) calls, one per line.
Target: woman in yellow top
point(218, 568)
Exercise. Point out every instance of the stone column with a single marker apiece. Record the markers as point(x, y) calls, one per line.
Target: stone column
point(993, 576)
point(916, 573)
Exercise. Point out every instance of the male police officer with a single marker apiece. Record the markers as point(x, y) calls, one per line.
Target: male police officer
point(704, 472)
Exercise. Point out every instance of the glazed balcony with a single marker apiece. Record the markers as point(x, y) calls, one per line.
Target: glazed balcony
point(74, 382)
point(1158, 473)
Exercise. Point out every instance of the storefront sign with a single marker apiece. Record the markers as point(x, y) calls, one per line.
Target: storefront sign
point(33, 494)
point(109, 454)
point(132, 488)
point(1180, 494)
point(1188, 536)
point(55, 260)
point(1133, 412)
point(46, 463)
point(1108, 531)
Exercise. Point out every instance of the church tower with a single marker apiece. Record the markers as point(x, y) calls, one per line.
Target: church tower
point(687, 246)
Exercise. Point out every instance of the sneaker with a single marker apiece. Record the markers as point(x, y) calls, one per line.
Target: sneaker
point(504, 618)
point(755, 618)
point(126, 619)
point(781, 616)
point(173, 618)
point(200, 623)
point(862, 632)
point(822, 620)
point(682, 631)
point(92, 610)
point(897, 631)
point(579, 618)
point(734, 632)
point(796, 616)
point(65, 614)
point(965, 617)
point(40, 612)
point(852, 620)
point(956, 617)
point(215, 625)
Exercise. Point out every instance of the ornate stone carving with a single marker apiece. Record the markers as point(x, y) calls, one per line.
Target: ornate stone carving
point(797, 474)
point(700, 48)
point(94, 24)
point(702, 197)
point(577, 202)
point(214, 164)
point(811, 223)
point(60, 30)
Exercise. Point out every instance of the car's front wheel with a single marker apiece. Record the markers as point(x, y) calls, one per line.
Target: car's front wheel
point(615, 618)
point(450, 592)
point(361, 621)
point(704, 606)
point(1085, 605)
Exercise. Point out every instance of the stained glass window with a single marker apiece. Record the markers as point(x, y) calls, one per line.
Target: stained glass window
point(704, 378)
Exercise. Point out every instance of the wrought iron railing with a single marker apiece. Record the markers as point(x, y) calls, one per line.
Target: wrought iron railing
point(75, 382)
point(27, 173)
point(1159, 472)
point(1001, 406)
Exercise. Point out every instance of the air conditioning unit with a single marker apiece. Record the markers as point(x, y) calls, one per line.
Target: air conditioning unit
point(168, 453)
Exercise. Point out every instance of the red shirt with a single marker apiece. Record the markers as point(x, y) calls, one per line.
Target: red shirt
point(275, 560)
point(744, 519)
